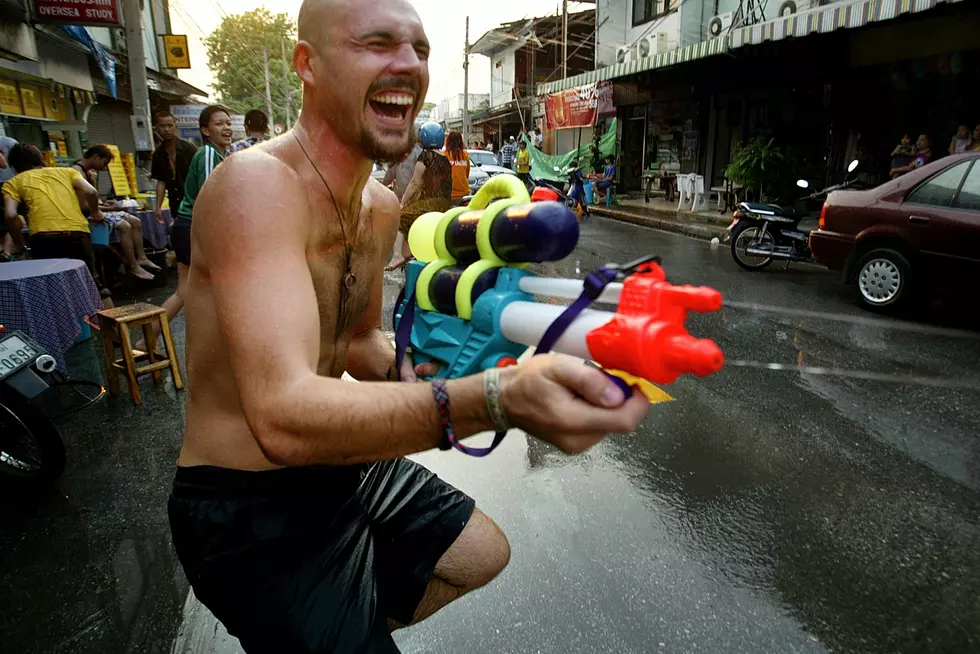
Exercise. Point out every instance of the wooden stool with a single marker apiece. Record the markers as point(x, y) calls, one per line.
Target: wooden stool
point(115, 325)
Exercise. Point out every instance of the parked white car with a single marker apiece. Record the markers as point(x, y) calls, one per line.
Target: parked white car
point(487, 162)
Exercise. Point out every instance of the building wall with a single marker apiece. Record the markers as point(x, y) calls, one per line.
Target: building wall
point(502, 75)
point(614, 19)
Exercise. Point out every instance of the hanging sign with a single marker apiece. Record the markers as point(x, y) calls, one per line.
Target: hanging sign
point(578, 107)
point(101, 13)
point(176, 51)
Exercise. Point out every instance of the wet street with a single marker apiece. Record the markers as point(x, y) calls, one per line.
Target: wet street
point(756, 511)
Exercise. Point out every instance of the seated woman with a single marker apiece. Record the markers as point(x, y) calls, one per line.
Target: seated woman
point(97, 158)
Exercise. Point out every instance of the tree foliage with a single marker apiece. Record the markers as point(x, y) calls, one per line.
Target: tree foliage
point(235, 57)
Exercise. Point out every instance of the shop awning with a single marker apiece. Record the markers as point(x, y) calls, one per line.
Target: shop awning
point(839, 15)
point(829, 18)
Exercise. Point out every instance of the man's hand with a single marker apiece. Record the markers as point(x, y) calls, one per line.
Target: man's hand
point(566, 403)
point(97, 217)
point(159, 216)
point(410, 372)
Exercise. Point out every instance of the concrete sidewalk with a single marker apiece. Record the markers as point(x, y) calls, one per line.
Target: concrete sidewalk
point(663, 215)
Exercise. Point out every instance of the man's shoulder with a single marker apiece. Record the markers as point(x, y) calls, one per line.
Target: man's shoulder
point(186, 146)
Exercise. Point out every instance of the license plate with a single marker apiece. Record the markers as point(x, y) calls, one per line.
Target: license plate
point(15, 353)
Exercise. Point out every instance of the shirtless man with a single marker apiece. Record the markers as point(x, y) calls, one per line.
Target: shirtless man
point(293, 514)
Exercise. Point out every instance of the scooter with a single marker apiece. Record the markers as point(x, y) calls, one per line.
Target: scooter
point(574, 194)
point(32, 452)
point(763, 233)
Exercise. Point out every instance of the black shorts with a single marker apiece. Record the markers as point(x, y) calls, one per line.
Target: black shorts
point(180, 240)
point(314, 559)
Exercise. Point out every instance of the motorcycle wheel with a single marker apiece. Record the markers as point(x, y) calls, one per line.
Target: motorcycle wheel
point(741, 238)
point(32, 453)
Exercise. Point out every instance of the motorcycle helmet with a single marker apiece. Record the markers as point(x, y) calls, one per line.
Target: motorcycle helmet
point(431, 135)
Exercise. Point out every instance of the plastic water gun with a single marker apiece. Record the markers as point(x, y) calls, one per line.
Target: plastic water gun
point(468, 303)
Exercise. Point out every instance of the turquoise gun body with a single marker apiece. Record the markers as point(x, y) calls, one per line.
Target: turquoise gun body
point(464, 347)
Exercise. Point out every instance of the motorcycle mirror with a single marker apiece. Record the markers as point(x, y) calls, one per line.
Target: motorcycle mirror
point(852, 166)
point(802, 183)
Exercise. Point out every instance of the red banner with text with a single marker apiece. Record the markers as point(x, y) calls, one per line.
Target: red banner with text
point(579, 107)
point(78, 12)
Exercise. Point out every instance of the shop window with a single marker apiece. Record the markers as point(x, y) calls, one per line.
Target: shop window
point(646, 10)
point(939, 190)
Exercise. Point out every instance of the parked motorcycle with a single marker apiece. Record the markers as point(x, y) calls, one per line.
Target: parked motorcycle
point(574, 194)
point(763, 233)
point(32, 452)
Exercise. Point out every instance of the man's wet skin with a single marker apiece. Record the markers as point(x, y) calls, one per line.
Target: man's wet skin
point(218, 432)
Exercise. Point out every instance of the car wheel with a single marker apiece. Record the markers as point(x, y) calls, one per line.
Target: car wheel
point(883, 280)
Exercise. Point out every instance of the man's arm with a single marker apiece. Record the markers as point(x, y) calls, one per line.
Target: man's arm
point(371, 356)
point(3, 161)
point(13, 224)
point(161, 196)
point(91, 196)
point(297, 416)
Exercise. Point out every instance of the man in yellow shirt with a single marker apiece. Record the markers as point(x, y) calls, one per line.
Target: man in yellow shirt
point(57, 227)
point(523, 162)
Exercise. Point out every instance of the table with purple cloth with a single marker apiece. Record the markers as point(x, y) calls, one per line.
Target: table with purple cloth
point(153, 232)
point(44, 298)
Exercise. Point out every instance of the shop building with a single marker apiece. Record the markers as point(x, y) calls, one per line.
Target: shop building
point(63, 88)
point(524, 55)
point(827, 81)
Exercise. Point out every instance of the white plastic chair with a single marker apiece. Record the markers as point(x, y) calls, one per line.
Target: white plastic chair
point(685, 190)
point(700, 202)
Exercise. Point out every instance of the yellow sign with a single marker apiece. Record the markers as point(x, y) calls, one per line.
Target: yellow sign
point(176, 51)
point(129, 163)
point(117, 172)
point(62, 148)
point(55, 106)
point(10, 98)
point(30, 95)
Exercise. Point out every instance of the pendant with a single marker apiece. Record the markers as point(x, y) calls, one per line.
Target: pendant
point(349, 280)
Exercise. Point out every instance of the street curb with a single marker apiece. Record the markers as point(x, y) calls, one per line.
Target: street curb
point(672, 224)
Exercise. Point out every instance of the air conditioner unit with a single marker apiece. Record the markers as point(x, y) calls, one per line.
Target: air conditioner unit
point(720, 24)
point(624, 53)
point(646, 47)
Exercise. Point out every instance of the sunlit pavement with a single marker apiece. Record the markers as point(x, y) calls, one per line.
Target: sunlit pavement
point(758, 511)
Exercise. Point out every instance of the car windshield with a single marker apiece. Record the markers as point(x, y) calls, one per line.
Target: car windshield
point(483, 158)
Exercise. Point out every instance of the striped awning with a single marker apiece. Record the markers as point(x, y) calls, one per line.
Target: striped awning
point(662, 60)
point(829, 18)
point(839, 15)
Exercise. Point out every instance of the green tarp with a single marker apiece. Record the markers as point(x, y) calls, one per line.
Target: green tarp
point(543, 165)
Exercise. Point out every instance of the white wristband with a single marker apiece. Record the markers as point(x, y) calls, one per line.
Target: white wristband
point(491, 394)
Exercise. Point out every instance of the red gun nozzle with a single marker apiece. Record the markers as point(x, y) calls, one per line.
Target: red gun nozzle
point(697, 355)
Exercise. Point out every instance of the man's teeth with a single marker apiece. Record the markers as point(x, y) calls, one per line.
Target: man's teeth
point(392, 98)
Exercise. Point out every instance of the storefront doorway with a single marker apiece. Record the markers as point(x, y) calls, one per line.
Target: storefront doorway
point(633, 146)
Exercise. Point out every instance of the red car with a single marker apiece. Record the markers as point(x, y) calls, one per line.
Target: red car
point(921, 230)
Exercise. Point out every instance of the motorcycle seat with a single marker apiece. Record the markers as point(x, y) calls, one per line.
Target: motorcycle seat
point(770, 212)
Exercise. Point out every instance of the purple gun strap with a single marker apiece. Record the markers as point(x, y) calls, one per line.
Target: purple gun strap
point(595, 282)
point(403, 334)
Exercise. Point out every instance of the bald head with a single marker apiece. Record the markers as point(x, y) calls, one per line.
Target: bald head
point(364, 68)
point(316, 17)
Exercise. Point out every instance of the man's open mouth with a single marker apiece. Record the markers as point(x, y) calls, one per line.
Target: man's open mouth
point(392, 107)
